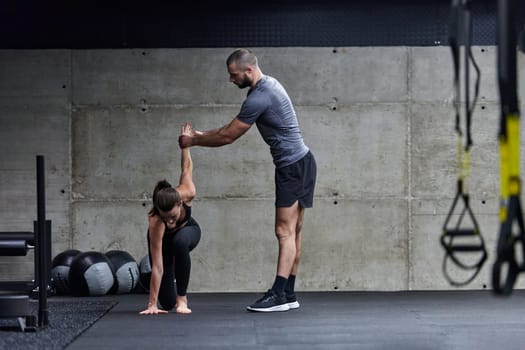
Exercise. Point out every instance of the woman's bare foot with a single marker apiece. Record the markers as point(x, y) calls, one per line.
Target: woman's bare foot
point(182, 305)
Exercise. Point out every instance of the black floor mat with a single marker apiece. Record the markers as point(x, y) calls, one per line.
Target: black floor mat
point(67, 320)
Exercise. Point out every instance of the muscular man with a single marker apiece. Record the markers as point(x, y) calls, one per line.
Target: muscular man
point(268, 106)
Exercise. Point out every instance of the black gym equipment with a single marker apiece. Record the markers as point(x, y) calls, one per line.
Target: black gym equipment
point(91, 274)
point(60, 267)
point(466, 227)
point(14, 297)
point(145, 273)
point(125, 271)
point(512, 232)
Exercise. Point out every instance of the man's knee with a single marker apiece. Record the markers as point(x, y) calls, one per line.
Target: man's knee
point(284, 232)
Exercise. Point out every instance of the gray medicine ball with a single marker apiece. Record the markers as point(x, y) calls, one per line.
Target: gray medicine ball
point(90, 274)
point(125, 271)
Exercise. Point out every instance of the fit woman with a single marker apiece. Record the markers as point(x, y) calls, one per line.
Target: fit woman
point(172, 234)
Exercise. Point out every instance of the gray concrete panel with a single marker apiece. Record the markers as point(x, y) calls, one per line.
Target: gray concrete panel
point(427, 253)
point(34, 126)
point(31, 126)
point(432, 75)
point(149, 77)
point(34, 118)
point(435, 151)
point(34, 73)
point(110, 225)
point(355, 245)
point(360, 149)
point(322, 76)
point(238, 248)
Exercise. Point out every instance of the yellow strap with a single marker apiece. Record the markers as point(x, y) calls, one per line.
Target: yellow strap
point(509, 151)
point(463, 165)
point(466, 170)
point(460, 158)
point(513, 132)
point(504, 177)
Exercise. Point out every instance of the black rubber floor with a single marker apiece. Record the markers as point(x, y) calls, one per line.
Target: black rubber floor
point(358, 320)
point(68, 318)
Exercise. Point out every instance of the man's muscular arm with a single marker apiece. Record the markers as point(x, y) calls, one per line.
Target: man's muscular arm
point(217, 137)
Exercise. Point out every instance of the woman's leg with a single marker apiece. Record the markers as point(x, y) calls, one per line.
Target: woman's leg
point(167, 285)
point(184, 241)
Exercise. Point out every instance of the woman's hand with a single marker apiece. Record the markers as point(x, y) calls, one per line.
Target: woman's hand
point(186, 135)
point(153, 310)
point(187, 130)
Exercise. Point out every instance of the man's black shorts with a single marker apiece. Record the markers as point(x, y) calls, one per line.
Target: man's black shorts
point(296, 182)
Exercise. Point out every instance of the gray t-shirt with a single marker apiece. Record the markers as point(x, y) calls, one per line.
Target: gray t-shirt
point(269, 106)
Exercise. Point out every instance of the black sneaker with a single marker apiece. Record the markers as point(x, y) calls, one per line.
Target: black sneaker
point(292, 302)
point(270, 302)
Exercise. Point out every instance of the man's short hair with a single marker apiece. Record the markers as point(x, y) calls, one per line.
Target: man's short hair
point(243, 58)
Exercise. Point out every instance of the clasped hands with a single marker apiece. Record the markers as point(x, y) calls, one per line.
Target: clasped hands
point(186, 135)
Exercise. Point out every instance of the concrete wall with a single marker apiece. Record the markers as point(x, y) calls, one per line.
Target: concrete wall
point(379, 121)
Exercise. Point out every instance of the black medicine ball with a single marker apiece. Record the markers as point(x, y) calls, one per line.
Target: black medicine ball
point(145, 273)
point(125, 271)
point(90, 274)
point(60, 267)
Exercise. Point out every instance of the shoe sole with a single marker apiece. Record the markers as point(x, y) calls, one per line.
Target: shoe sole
point(294, 305)
point(276, 308)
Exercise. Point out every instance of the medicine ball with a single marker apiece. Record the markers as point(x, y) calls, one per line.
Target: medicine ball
point(60, 270)
point(145, 273)
point(90, 274)
point(125, 271)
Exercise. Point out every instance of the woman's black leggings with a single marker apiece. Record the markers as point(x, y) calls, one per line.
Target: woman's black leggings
point(176, 248)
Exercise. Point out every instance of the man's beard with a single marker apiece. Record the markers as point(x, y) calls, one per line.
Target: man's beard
point(244, 83)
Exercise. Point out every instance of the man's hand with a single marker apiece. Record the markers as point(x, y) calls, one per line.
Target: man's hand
point(213, 138)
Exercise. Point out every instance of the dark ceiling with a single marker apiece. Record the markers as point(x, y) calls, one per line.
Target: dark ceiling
point(81, 24)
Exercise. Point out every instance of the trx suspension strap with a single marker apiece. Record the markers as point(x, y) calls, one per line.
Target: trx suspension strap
point(465, 226)
point(510, 213)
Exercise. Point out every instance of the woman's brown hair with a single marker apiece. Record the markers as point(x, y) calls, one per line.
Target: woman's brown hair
point(165, 197)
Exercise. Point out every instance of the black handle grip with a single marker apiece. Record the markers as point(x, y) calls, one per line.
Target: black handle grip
point(466, 248)
point(461, 232)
